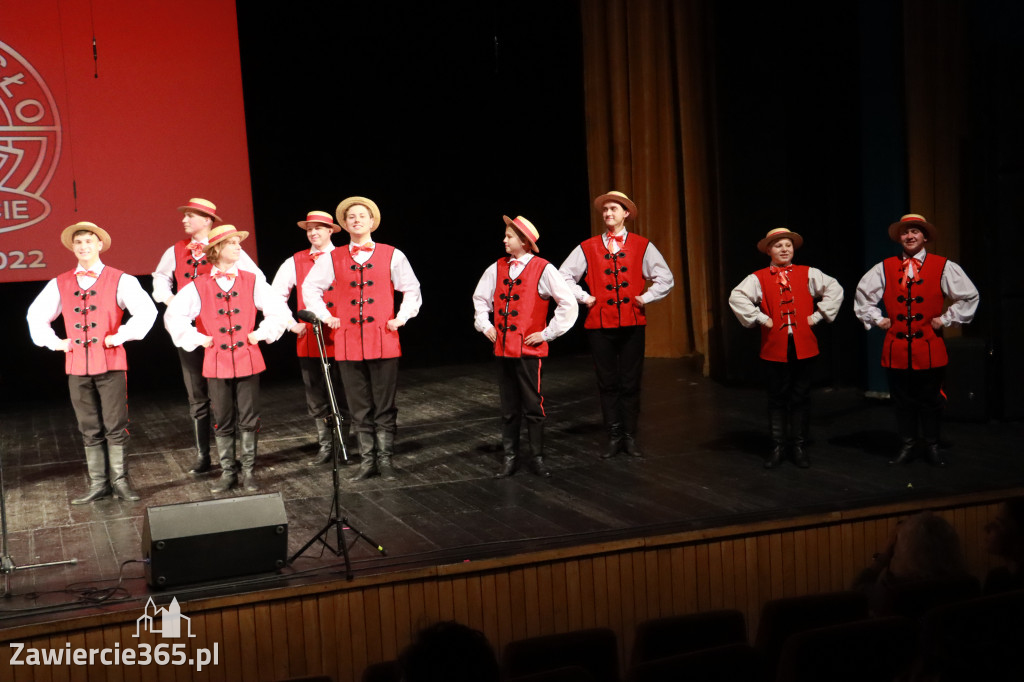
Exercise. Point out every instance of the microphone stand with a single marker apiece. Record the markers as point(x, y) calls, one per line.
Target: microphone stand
point(7, 565)
point(336, 520)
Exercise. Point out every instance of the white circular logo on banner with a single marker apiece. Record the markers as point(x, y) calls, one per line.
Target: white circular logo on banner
point(30, 140)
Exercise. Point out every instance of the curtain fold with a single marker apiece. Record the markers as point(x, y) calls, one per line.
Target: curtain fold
point(649, 135)
point(935, 72)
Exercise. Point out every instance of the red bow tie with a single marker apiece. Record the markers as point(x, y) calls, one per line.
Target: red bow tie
point(513, 263)
point(619, 239)
point(87, 273)
point(314, 256)
point(781, 274)
point(353, 249)
point(197, 250)
point(910, 267)
point(227, 275)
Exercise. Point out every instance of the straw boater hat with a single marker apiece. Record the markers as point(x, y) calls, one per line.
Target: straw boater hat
point(222, 232)
point(68, 234)
point(319, 218)
point(911, 220)
point(348, 203)
point(779, 233)
point(207, 208)
point(526, 231)
point(617, 197)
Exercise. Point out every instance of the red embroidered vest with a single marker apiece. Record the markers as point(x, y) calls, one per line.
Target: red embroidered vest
point(306, 346)
point(789, 308)
point(615, 279)
point(365, 303)
point(911, 343)
point(519, 310)
point(229, 317)
point(186, 268)
point(91, 315)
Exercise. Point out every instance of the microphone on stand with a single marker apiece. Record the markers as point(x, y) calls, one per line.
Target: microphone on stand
point(308, 316)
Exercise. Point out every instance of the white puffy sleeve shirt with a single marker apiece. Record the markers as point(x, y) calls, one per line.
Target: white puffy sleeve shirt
point(552, 285)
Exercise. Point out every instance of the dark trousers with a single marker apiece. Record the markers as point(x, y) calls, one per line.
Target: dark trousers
point(619, 362)
point(236, 404)
point(918, 401)
point(370, 389)
point(519, 382)
point(788, 383)
point(101, 407)
point(195, 382)
point(318, 405)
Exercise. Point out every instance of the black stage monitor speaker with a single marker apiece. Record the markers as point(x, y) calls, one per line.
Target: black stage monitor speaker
point(966, 380)
point(196, 542)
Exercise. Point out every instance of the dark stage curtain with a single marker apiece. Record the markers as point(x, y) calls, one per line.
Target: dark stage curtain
point(935, 72)
point(646, 81)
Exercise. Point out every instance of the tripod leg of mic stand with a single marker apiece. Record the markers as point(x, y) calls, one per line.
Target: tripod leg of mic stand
point(7, 565)
point(373, 543)
point(321, 537)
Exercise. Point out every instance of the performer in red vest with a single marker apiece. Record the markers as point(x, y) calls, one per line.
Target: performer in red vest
point(366, 275)
point(319, 226)
point(92, 299)
point(615, 265)
point(223, 304)
point(516, 290)
point(912, 287)
point(181, 264)
point(786, 300)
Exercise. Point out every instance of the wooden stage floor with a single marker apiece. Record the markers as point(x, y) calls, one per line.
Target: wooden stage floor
point(704, 444)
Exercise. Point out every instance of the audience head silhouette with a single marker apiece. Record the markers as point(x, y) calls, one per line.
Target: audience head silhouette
point(927, 547)
point(449, 652)
point(1004, 537)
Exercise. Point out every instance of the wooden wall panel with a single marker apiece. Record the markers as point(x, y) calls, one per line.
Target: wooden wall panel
point(686, 575)
point(78, 674)
point(357, 634)
point(339, 629)
point(531, 602)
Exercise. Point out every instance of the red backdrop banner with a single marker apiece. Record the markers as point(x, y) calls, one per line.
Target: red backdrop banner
point(116, 112)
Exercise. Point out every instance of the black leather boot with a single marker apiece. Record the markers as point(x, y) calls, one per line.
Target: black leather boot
point(630, 418)
point(248, 479)
point(933, 455)
point(228, 475)
point(325, 438)
point(535, 430)
point(385, 449)
point(930, 426)
point(96, 463)
point(367, 451)
point(509, 466)
point(799, 421)
point(201, 433)
point(615, 438)
point(777, 429)
point(906, 452)
point(907, 427)
point(630, 446)
point(119, 474)
point(510, 446)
